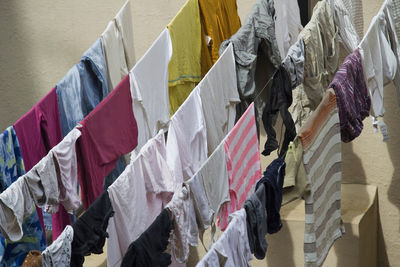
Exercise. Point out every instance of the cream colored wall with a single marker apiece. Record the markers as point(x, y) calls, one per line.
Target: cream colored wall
point(41, 40)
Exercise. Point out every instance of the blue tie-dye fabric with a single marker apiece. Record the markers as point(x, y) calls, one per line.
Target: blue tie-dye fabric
point(12, 167)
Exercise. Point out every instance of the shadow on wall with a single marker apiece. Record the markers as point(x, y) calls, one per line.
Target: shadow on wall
point(391, 119)
point(352, 172)
point(283, 234)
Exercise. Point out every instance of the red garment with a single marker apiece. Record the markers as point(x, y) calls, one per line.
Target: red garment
point(38, 131)
point(108, 132)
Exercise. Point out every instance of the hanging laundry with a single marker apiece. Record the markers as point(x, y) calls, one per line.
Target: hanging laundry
point(59, 252)
point(294, 63)
point(137, 197)
point(346, 29)
point(79, 92)
point(219, 21)
point(82, 88)
point(12, 254)
point(46, 184)
point(232, 248)
point(296, 181)
point(394, 10)
point(243, 162)
point(33, 259)
point(321, 61)
point(279, 99)
point(355, 10)
point(256, 55)
point(67, 176)
point(90, 230)
point(256, 219)
point(352, 96)
point(320, 139)
point(184, 67)
point(124, 23)
point(389, 8)
point(11, 162)
point(108, 132)
point(219, 96)
point(378, 61)
point(187, 139)
point(149, 89)
point(117, 42)
point(149, 248)
point(16, 204)
point(209, 191)
point(179, 208)
point(303, 6)
point(43, 185)
point(287, 24)
point(273, 183)
point(38, 131)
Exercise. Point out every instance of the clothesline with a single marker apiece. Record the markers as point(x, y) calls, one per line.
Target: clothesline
point(226, 134)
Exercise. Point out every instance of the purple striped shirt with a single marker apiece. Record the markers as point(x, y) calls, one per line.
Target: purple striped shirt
point(352, 96)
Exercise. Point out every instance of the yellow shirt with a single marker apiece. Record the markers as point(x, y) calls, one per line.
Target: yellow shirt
point(219, 21)
point(184, 67)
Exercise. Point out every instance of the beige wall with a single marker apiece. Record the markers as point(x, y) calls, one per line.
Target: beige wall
point(41, 40)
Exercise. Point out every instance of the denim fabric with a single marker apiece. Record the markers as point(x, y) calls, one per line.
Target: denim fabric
point(254, 43)
point(256, 219)
point(90, 230)
point(273, 182)
point(280, 99)
point(11, 167)
point(82, 88)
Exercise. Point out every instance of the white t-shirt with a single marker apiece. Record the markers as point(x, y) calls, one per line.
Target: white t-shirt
point(187, 139)
point(137, 197)
point(287, 24)
point(232, 248)
point(209, 189)
point(114, 53)
point(149, 89)
point(65, 155)
point(378, 61)
point(219, 96)
point(117, 41)
point(125, 27)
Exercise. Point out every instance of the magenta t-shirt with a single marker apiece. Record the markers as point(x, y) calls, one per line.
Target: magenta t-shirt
point(38, 131)
point(108, 132)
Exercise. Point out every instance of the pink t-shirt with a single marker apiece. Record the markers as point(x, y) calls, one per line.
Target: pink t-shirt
point(38, 131)
point(108, 132)
point(243, 163)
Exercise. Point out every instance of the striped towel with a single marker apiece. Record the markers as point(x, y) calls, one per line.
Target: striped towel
point(320, 138)
point(243, 162)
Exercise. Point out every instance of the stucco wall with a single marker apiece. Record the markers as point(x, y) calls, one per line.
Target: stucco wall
point(41, 40)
